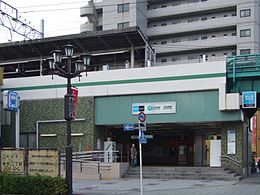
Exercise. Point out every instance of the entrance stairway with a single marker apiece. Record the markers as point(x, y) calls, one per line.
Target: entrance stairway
point(196, 173)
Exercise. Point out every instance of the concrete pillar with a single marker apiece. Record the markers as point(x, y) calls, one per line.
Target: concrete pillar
point(132, 56)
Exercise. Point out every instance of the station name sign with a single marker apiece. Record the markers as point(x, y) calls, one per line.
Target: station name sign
point(249, 99)
point(154, 108)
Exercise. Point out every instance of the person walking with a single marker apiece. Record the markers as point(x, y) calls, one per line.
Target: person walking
point(133, 154)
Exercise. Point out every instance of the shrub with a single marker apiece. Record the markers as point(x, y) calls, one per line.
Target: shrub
point(32, 185)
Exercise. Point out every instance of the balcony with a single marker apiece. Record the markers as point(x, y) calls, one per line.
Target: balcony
point(192, 26)
point(87, 27)
point(196, 45)
point(86, 11)
point(190, 8)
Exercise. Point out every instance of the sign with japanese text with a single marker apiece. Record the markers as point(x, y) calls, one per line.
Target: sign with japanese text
point(43, 162)
point(12, 161)
point(154, 108)
point(75, 95)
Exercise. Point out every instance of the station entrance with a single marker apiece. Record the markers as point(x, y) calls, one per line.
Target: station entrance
point(168, 145)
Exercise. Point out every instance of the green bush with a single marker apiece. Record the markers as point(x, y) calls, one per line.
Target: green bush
point(31, 185)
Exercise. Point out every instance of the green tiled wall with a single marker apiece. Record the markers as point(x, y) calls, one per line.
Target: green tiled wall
point(53, 109)
point(238, 127)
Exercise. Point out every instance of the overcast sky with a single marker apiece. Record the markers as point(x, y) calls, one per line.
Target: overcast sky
point(60, 16)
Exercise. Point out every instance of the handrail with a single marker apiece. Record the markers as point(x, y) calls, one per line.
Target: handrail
point(92, 155)
point(232, 160)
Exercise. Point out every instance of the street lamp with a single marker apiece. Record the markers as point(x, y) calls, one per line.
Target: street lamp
point(68, 70)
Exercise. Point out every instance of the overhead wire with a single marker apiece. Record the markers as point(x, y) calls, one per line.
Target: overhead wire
point(106, 5)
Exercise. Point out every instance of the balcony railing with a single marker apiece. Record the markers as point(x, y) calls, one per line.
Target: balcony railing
point(185, 8)
point(196, 45)
point(192, 26)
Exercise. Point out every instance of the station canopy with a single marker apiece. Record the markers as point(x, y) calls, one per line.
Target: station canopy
point(22, 56)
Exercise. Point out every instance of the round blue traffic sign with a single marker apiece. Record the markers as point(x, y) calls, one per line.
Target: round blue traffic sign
point(141, 116)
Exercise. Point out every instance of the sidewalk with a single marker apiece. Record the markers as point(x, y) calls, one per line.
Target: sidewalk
point(248, 186)
point(254, 178)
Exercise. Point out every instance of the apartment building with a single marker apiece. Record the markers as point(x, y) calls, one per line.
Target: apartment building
point(183, 31)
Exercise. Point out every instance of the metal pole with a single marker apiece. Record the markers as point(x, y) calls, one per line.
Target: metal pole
point(17, 128)
point(69, 147)
point(141, 164)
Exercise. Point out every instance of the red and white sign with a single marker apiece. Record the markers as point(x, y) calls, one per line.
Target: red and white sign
point(141, 116)
point(75, 95)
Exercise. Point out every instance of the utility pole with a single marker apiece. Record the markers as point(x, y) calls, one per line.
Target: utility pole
point(10, 19)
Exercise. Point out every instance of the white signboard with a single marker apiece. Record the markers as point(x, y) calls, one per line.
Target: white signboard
point(154, 108)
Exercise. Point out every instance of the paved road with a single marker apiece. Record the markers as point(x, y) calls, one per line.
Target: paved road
point(248, 186)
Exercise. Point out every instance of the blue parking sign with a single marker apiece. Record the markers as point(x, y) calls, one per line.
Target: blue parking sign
point(249, 99)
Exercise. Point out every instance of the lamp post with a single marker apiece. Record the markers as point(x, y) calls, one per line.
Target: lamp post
point(68, 70)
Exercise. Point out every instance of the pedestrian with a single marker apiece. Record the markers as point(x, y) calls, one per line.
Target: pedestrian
point(133, 154)
point(172, 153)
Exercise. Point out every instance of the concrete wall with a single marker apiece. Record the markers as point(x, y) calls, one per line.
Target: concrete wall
point(165, 79)
point(90, 170)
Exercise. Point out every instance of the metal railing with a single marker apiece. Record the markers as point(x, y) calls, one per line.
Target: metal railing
point(91, 162)
point(96, 156)
point(235, 65)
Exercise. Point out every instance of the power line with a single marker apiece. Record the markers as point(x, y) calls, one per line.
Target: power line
point(47, 5)
point(71, 8)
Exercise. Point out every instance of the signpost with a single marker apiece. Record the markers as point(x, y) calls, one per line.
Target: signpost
point(11, 103)
point(129, 127)
point(142, 140)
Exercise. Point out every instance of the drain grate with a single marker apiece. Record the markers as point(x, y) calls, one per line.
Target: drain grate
point(109, 183)
point(152, 184)
point(89, 188)
point(135, 189)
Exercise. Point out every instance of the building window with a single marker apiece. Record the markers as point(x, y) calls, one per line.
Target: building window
point(123, 25)
point(225, 34)
point(164, 24)
point(225, 15)
point(163, 60)
point(234, 34)
point(244, 51)
point(234, 53)
point(234, 14)
point(193, 38)
point(245, 33)
point(204, 37)
point(176, 59)
point(176, 40)
point(163, 42)
point(123, 8)
point(193, 57)
point(245, 13)
point(203, 19)
point(163, 6)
